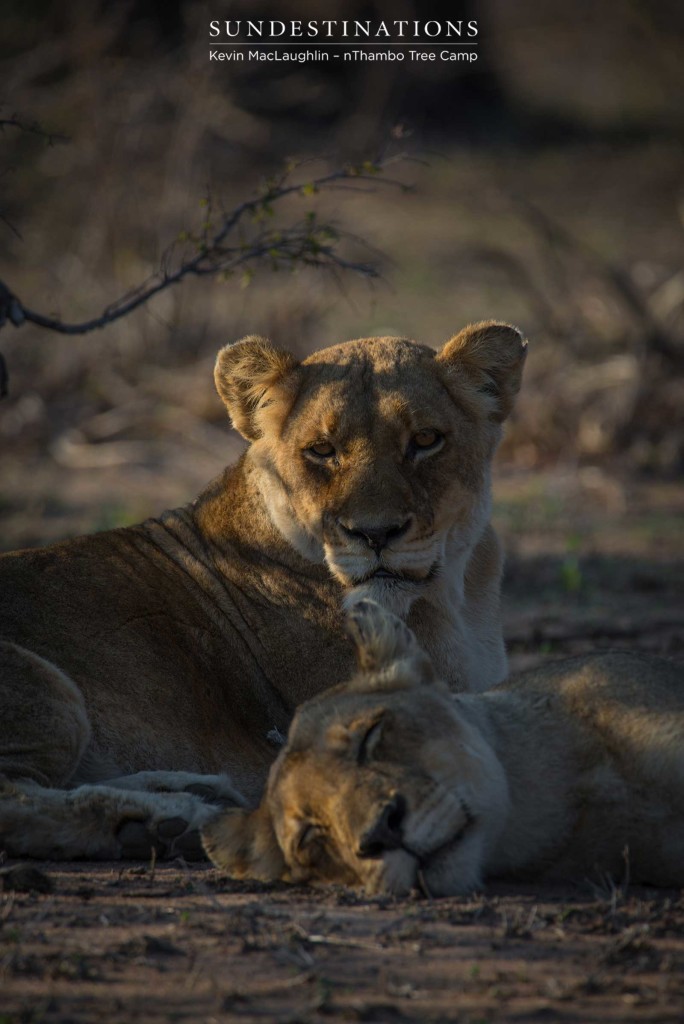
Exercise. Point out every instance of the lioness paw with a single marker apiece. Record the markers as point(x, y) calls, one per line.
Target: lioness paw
point(212, 789)
point(217, 790)
point(170, 837)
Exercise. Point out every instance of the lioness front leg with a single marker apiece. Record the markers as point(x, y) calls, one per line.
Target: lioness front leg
point(213, 789)
point(44, 738)
point(99, 822)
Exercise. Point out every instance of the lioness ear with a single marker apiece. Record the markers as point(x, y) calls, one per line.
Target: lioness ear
point(388, 653)
point(246, 375)
point(488, 358)
point(243, 843)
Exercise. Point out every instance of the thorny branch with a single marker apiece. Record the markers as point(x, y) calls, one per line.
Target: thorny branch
point(241, 239)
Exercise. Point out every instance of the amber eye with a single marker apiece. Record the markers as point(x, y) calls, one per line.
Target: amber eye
point(425, 439)
point(322, 449)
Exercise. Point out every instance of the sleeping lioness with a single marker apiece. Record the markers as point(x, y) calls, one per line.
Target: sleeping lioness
point(148, 673)
point(392, 781)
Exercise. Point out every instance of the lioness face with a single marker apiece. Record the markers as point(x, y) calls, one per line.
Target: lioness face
point(374, 455)
point(389, 792)
point(383, 782)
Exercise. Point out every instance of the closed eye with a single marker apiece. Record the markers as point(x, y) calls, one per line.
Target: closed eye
point(307, 834)
point(310, 844)
point(369, 742)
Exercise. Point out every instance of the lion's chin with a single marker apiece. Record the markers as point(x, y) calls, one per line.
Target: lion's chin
point(394, 593)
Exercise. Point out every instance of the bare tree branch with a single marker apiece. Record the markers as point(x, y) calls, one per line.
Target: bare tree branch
point(309, 242)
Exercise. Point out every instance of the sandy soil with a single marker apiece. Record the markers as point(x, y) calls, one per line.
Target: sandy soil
point(134, 943)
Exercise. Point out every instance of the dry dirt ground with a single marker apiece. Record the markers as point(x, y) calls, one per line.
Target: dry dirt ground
point(172, 943)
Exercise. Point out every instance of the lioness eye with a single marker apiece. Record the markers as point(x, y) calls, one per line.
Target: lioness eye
point(369, 743)
point(426, 439)
point(322, 449)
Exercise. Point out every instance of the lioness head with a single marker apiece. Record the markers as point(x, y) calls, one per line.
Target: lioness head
point(383, 782)
point(373, 456)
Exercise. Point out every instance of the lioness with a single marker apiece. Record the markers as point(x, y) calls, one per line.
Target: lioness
point(152, 658)
point(392, 781)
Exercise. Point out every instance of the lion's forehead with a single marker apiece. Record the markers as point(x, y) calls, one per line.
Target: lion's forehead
point(379, 355)
point(364, 400)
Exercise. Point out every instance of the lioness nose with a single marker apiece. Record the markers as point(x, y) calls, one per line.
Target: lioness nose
point(386, 833)
point(376, 537)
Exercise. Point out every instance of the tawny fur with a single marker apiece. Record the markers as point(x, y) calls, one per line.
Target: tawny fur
point(184, 643)
point(572, 771)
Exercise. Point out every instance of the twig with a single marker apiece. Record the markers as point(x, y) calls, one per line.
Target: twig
point(32, 128)
point(308, 243)
point(332, 940)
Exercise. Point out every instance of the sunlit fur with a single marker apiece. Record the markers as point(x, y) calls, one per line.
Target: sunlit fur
point(565, 772)
point(367, 400)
